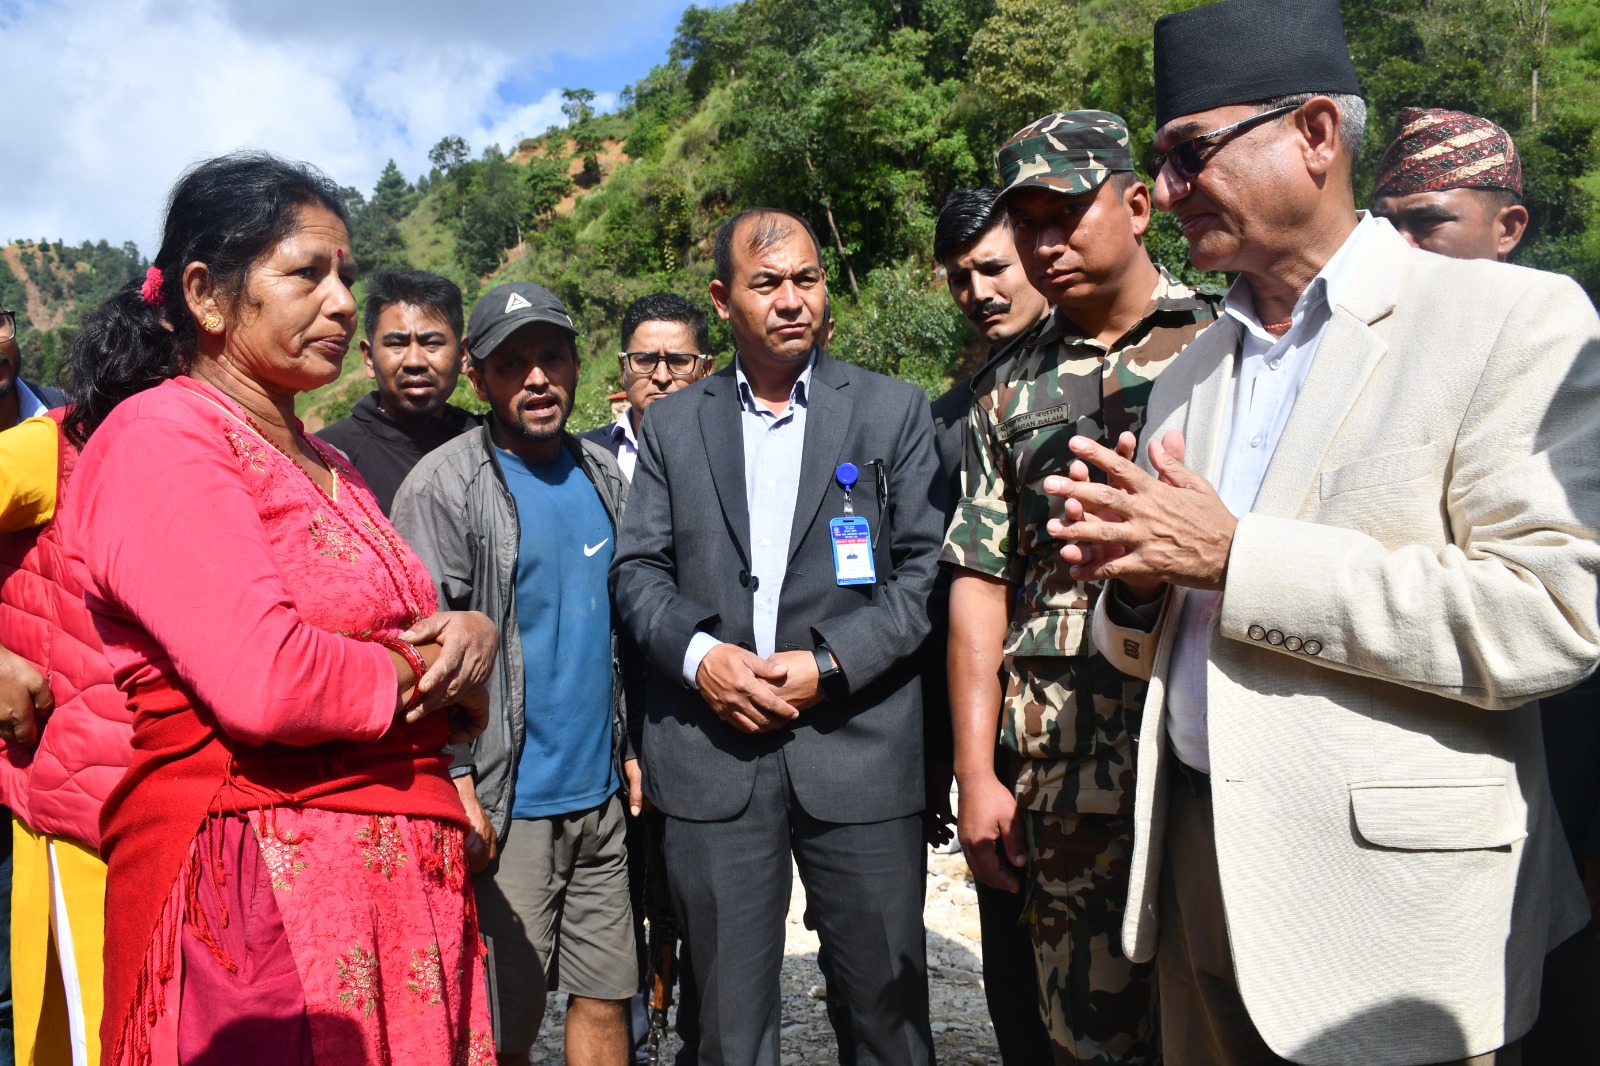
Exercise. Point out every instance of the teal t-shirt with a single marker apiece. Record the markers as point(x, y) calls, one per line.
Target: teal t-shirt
point(564, 614)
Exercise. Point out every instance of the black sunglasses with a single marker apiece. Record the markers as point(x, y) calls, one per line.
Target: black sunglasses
point(1185, 158)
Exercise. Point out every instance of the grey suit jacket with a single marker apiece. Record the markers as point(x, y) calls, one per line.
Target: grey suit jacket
point(683, 545)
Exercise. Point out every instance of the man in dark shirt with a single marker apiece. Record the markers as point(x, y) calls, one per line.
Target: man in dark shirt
point(412, 352)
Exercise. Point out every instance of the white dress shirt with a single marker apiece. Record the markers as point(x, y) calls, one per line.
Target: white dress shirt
point(1268, 373)
point(627, 443)
point(774, 443)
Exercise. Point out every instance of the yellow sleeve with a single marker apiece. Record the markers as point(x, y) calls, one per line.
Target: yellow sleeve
point(28, 474)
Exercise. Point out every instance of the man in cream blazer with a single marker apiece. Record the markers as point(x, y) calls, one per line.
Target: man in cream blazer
point(1368, 545)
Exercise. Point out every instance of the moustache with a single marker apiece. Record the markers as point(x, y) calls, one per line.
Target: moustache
point(413, 380)
point(541, 398)
point(991, 307)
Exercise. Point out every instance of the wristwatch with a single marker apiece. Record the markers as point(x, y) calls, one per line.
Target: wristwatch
point(830, 679)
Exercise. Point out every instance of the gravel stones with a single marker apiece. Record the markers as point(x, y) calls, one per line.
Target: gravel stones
point(961, 1027)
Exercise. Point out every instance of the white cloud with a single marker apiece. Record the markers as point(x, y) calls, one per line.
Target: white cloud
point(108, 101)
point(513, 26)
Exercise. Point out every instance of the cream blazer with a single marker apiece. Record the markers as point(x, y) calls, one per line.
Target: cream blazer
point(1419, 568)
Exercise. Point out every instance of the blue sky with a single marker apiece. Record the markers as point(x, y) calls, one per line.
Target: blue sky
point(108, 100)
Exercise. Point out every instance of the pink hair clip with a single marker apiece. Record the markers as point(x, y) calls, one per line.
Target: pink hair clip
point(151, 289)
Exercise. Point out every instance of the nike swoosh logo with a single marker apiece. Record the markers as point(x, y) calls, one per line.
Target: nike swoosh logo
point(587, 551)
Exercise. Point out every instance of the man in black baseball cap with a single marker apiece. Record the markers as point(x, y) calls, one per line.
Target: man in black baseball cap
point(504, 309)
point(524, 404)
point(519, 520)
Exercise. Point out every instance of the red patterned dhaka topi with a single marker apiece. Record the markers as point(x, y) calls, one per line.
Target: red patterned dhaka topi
point(1434, 150)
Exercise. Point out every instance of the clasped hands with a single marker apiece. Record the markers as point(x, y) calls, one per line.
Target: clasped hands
point(1145, 530)
point(459, 648)
point(756, 695)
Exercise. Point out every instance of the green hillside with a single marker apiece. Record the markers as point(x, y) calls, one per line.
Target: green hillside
point(49, 285)
point(862, 115)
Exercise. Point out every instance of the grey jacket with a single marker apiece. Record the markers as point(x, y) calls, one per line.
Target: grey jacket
point(456, 511)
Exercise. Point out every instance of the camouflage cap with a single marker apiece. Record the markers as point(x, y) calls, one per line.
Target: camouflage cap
point(1070, 152)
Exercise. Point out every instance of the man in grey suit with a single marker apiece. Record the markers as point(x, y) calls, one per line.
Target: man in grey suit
point(785, 716)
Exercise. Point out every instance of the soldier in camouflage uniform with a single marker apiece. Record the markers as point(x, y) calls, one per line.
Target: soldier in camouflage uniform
point(1022, 667)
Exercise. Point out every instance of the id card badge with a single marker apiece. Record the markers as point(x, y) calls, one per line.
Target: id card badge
point(852, 551)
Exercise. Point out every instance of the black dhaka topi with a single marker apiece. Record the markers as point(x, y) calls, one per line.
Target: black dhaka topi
point(1243, 51)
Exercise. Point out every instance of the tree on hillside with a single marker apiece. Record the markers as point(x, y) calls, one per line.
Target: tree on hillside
point(494, 210)
point(392, 194)
point(547, 184)
point(1533, 20)
point(1026, 62)
point(375, 223)
point(449, 154)
point(586, 141)
point(707, 46)
point(577, 105)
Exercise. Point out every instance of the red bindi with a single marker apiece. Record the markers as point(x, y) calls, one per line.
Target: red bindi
point(339, 252)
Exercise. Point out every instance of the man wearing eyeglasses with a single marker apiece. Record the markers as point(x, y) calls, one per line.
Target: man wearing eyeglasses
point(19, 399)
point(664, 342)
point(1360, 547)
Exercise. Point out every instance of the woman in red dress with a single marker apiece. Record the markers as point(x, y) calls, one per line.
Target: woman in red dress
point(286, 876)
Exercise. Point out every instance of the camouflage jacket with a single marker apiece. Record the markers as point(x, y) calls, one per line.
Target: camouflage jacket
point(1068, 715)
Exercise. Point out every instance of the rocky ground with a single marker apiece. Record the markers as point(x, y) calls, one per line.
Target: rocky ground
point(962, 1035)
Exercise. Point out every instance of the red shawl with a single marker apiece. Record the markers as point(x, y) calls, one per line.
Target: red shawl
point(233, 597)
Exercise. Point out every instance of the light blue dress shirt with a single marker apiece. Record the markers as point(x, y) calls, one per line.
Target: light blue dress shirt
point(774, 443)
point(1268, 375)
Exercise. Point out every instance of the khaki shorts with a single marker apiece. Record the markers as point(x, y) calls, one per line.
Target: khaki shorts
point(555, 913)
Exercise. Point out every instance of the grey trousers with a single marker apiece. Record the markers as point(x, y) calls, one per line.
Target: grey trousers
point(1203, 1019)
point(864, 887)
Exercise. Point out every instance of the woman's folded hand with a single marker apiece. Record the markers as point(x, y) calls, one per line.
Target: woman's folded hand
point(467, 642)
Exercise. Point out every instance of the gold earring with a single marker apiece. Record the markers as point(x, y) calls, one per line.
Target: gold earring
point(212, 323)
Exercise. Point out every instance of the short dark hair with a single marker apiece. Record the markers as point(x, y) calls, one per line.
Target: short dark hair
point(1501, 198)
point(1122, 180)
point(767, 232)
point(417, 288)
point(666, 307)
point(967, 215)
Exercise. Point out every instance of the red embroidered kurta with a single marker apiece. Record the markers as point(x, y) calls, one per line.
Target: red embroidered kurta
point(235, 600)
